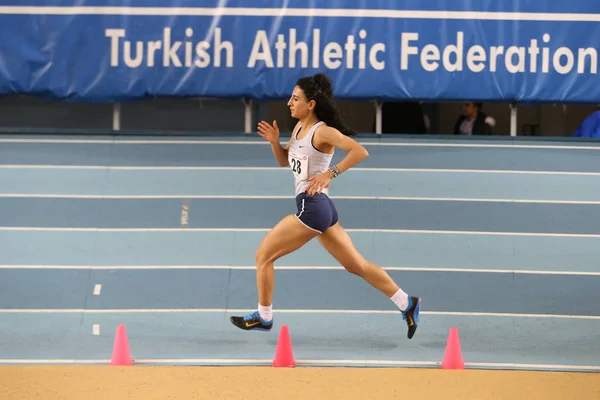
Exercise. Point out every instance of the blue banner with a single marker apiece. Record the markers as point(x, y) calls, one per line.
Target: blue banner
point(99, 51)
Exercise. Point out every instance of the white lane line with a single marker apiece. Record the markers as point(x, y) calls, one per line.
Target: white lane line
point(227, 361)
point(97, 289)
point(284, 170)
point(533, 366)
point(182, 196)
point(185, 205)
point(264, 143)
point(283, 311)
point(296, 267)
point(52, 361)
point(411, 231)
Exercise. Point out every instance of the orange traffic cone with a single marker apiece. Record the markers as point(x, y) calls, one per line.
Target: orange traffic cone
point(284, 355)
point(121, 355)
point(453, 355)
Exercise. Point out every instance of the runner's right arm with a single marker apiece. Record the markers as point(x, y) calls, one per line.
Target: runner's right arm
point(271, 133)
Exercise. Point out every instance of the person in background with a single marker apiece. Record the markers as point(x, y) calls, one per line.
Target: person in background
point(590, 128)
point(473, 121)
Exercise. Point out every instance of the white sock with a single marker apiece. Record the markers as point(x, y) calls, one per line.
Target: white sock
point(400, 299)
point(266, 312)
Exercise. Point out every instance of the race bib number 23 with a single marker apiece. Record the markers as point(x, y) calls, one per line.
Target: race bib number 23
point(299, 165)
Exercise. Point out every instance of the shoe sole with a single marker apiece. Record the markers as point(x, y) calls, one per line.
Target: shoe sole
point(416, 312)
point(251, 329)
point(415, 318)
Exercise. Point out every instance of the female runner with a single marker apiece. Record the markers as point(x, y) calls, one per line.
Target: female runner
point(309, 152)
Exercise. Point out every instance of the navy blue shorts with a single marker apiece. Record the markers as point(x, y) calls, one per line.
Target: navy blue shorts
point(316, 212)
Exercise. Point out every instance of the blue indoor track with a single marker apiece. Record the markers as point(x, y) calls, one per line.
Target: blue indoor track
point(500, 238)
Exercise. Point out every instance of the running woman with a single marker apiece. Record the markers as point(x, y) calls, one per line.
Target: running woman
point(309, 152)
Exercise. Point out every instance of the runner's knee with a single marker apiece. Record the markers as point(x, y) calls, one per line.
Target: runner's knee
point(263, 257)
point(356, 267)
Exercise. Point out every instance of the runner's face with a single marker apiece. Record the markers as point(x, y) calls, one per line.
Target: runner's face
point(299, 106)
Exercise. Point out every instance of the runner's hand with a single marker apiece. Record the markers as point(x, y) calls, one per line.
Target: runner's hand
point(268, 132)
point(318, 182)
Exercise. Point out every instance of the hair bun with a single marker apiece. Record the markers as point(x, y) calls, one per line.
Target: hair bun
point(324, 83)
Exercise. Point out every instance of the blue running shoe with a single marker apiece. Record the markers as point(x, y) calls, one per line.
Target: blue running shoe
point(411, 315)
point(252, 322)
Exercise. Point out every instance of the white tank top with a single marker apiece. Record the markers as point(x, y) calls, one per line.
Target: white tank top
point(306, 161)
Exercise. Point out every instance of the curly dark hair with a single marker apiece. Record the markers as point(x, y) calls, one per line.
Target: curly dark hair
point(318, 88)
